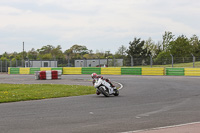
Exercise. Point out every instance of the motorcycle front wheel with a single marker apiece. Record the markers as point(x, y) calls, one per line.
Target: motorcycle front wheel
point(104, 91)
point(116, 92)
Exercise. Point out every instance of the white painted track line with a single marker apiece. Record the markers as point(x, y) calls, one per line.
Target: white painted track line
point(121, 86)
point(174, 127)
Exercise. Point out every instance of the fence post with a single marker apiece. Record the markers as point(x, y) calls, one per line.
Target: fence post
point(107, 61)
point(68, 61)
point(1, 66)
point(85, 62)
point(132, 61)
point(99, 62)
point(150, 60)
point(123, 63)
point(6, 66)
point(28, 62)
point(193, 60)
point(172, 60)
point(114, 61)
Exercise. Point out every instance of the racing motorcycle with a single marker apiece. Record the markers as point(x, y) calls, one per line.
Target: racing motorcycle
point(105, 88)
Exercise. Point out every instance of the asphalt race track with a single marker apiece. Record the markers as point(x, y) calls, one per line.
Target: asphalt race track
point(144, 102)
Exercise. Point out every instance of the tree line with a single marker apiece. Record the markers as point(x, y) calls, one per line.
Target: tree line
point(180, 46)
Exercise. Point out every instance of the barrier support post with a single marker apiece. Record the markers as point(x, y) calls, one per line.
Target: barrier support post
point(132, 61)
point(150, 60)
point(193, 60)
point(172, 60)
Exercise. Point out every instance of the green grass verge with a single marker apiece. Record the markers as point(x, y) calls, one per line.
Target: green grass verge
point(24, 92)
point(197, 65)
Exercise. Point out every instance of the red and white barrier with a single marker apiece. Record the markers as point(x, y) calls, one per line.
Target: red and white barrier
point(54, 74)
point(48, 75)
point(42, 75)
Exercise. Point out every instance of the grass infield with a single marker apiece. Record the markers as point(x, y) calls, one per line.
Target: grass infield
point(25, 92)
point(197, 65)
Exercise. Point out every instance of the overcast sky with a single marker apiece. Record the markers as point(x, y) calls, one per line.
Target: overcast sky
point(98, 24)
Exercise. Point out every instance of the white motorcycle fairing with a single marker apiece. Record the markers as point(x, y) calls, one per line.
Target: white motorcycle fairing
point(100, 82)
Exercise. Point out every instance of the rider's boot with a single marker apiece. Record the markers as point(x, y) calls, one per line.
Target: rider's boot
point(114, 87)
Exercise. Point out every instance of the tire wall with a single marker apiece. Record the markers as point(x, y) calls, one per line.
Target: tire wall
point(111, 71)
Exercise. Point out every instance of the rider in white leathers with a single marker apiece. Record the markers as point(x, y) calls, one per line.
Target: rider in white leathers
point(94, 75)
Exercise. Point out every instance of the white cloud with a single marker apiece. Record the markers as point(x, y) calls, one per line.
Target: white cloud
point(84, 21)
point(6, 10)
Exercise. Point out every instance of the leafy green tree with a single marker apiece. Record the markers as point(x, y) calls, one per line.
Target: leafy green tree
point(121, 53)
point(195, 43)
point(18, 57)
point(157, 49)
point(163, 58)
point(46, 49)
point(153, 48)
point(13, 62)
point(167, 38)
point(77, 51)
point(3, 58)
point(47, 56)
point(5, 55)
point(22, 55)
point(180, 47)
point(100, 54)
point(32, 54)
point(50, 52)
point(139, 53)
point(14, 55)
point(57, 52)
point(136, 49)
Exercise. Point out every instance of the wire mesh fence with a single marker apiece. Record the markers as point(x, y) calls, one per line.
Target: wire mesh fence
point(107, 62)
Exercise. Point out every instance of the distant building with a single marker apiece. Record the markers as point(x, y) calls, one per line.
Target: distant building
point(36, 63)
point(98, 62)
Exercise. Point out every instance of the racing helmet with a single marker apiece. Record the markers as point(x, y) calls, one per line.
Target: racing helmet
point(94, 75)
